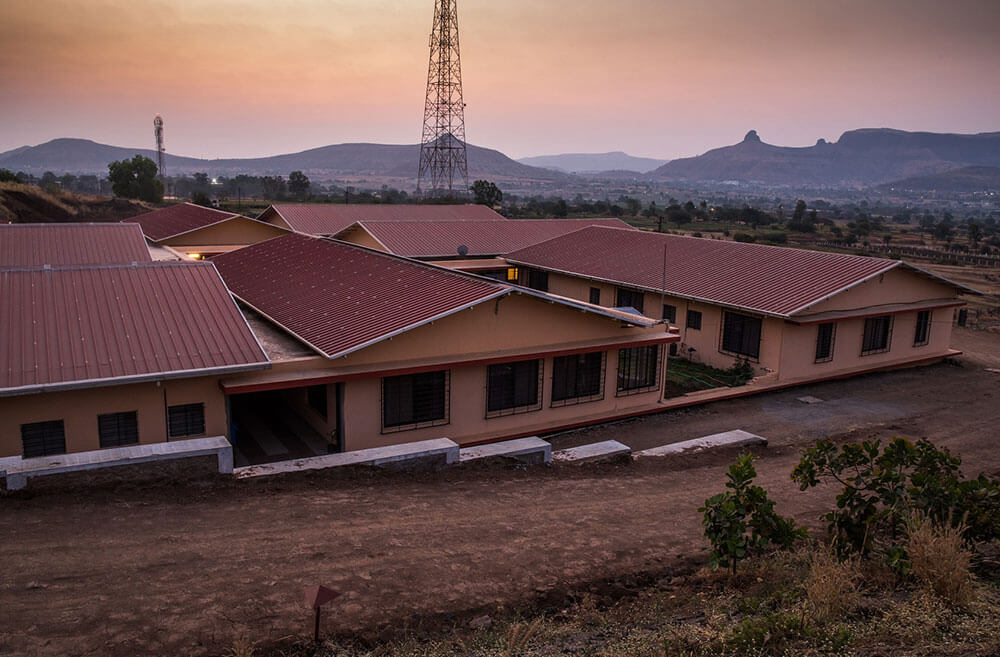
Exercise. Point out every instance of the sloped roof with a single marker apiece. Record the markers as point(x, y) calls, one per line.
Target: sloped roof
point(339, 298)
point(482, 238)
point(329, 219)
point(771, 280)
point(175, 220)
point(69, 327)
point(28, 245)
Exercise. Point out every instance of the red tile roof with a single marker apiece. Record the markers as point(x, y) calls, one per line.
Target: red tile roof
point(766, 279)
point(337, 297)
point(482, 238)
point(175, 220)
point(86, 326)
point(329, 219)
point(29, 245)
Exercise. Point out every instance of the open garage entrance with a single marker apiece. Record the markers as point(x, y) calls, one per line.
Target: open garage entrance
point(279, 425)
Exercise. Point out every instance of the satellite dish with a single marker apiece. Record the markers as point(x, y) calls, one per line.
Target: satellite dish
point(463, 250)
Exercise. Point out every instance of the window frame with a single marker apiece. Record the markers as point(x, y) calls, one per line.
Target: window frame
point(671, 315)
point(687, 319)
point(868, 350)
point(187, 419)
point(51, 444)
point(832, 342)
point(538, 279)
point(513, 274)
point(595, 296)
point(579, 397)
point(516, 409)
point(629, 293)
point(657, 359)
point(743, 317)
point(118, 418)
point(924, 321)
point(412, 424)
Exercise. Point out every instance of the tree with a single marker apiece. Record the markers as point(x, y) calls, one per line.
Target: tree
point(975, 232)
point(6, 175)
point(486, 193)
point(136, 178)
point(298, 183)
point(201, 198)
point(800, 211)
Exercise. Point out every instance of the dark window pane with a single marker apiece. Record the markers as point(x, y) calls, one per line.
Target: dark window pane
point(629, 298)
point(43, 438)
point(824, 342)
point(538, 280)
point(415, 399)
point(513, 387)
point(670, 313)
point(578, 377)
point(741, 334)
point(923, 332)
point(638, 368)
point(117, 429)
point(595, 296)
point(186, 420)
point(877, 335)
point(694, 319)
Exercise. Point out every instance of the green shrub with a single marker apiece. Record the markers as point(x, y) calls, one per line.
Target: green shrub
point(742, 521)
point(744, 237)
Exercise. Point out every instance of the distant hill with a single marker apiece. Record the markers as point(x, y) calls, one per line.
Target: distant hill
point(966, 180)
point(859, 158)
point(82, 156)
point(593, 162)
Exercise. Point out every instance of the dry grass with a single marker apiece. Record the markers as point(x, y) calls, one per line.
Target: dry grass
point(831, 585)
point(39, 193)
point(242, 647)
point(519, 635)
point(940, 560)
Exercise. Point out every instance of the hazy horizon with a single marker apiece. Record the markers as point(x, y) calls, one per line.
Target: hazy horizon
point(652, 78)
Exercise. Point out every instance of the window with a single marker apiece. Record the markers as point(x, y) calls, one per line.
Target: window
point(877, 335)
point(117, 429)
point(513, 388)
point(512, 274)
point(637, 369)
point(538, 280)
point(316, 398)
point(694, 319)
point(740, 335)
point(186, 420)
point(595, 296)
point(578, 378)
point(412, 401)
point(923, 333)
point(670, 313)
point(825, 333)
point(629, 298)
point(43, 438)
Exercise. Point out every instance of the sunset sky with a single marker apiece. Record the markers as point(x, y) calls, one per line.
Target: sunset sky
point(660, 78)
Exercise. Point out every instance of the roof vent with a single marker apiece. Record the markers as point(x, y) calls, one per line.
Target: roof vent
point(463, 250)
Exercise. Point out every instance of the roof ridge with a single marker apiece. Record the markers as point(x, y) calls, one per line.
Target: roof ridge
point(153, 264)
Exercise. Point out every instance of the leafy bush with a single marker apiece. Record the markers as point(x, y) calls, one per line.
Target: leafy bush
point(883, 487)
point(775, 236)
point(744, 237)
point(740, 372)
point(742, 521)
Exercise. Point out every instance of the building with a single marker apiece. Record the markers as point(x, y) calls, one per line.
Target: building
point(195, 232)
point(795, 315)
point(326, 219)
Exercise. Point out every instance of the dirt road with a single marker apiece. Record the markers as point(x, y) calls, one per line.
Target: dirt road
point(163, 567)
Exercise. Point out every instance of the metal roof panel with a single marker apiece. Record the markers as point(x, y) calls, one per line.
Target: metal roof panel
point(36, 245)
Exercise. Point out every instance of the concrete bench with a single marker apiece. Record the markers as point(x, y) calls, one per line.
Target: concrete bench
point(439, 449)
point(19, 469)
point(531, 450)
point(734, 438)
point(609, 449)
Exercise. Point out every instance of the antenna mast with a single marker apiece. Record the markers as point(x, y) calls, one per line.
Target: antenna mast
point(443, 161)
point(160, 150)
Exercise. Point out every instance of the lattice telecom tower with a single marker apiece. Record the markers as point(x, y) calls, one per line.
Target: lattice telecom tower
point(443, 161)
point(160, 150)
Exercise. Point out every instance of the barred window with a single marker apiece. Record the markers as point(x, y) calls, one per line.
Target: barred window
point(638, 369)
point(538, 280)
point(923, 333)
point(628, 298)
point(117, 429)
point(43, 438)
point(693, 319)
point(513, 388)
point(877, 335)
point(741, 335)
point(595, 296)
point(825, 334)
point(670, 313)
point(186, 420)
point(578, 378)
point(413, 401)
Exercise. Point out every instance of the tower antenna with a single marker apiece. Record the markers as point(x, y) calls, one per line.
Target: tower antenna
point(160, 150)
point(443, 162)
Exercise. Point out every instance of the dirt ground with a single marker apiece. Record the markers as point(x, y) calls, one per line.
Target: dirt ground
point(154, 565)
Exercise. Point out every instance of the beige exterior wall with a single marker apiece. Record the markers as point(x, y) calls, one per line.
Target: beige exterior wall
point(233, 231)
point(895, 286)
point(362, 237)
point(78, 409)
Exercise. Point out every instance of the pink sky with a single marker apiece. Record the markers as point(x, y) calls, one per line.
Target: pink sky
point(661, 78)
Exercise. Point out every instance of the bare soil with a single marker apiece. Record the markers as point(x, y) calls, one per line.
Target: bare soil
point(177, 561)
